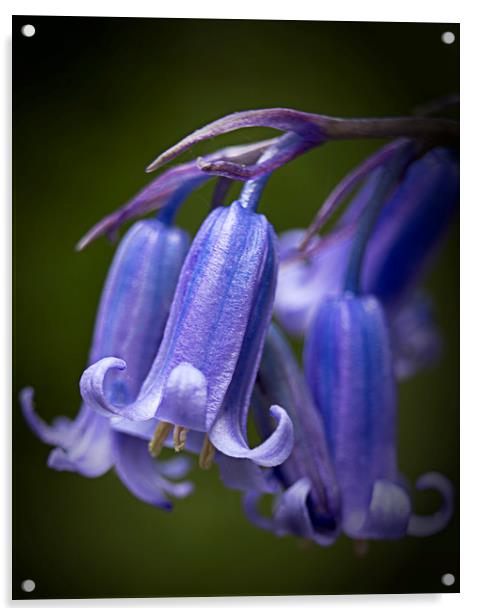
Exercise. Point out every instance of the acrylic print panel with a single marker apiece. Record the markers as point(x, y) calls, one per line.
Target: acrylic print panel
point(317, 495)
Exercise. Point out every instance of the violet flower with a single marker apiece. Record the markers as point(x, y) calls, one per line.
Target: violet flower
point(348, 366)
point(204, 372)
point(404, 242)
point(309, 504)
point(131, 318)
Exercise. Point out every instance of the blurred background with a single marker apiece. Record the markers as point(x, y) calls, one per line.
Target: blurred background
point(94, 101)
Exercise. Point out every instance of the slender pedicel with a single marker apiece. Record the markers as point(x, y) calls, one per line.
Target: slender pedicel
point(317, 129)
point(253, 189)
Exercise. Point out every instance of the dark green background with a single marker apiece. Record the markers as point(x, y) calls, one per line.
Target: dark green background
point(94, 101)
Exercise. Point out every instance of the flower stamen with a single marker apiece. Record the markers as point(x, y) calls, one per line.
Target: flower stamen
point(179, 438)
point(160, 435)
point(207, 454)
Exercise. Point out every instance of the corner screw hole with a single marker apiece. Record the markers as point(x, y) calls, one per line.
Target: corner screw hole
point(28, 585)
point(448, 579)
point(448, 38)
point(28, 30)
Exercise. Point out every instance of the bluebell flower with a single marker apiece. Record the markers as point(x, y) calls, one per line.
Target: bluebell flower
point(131, 318)
point(348, 365)
point(406, 237)
point(349, 368)
point(308, 504)
point(203, 375)
point(404, 241)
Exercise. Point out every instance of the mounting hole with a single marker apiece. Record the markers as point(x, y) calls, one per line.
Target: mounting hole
point(448, 579)
point(28, 585)
point(448, 38)
point(28, 30)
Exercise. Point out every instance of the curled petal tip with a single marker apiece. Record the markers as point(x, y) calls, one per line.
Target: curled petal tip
point(273, 451)
point(291, 515)
point(426, 525)
point(51, 434)
point(92, 384)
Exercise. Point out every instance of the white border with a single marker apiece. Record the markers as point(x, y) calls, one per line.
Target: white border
point(428, 11)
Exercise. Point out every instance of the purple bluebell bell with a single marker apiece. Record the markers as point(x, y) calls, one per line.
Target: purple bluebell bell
point(348, 366)
point(203, 375)
point(406, 237)
point(309, 502)
point(131, 318)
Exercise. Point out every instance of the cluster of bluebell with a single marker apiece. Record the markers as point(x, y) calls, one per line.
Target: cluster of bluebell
point(185, 354)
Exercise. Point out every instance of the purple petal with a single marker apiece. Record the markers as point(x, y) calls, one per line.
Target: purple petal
point(425, 525)
point(411, 227)
point(246, 476)
point(220, 281)
point(387, 516)
point(304, 284)
point(349, 368)
point(250, 505)
point(137, 296)
point(280, 379)
point(184, 401)
point(91, 455)
point(282, 119)
point(56, 434)
point(92, 386)
point(176, 467)
point(82, 445)
point(142, 474)
point(226, 437)
point(292, 515)
point(416, 341)
point(140, 429)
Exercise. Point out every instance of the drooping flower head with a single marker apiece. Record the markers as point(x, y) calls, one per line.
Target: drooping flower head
point(309, 503)
point(204, 372)
point(406, 237)
point(130, 322)
point(348, 365)
point(349, 368)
